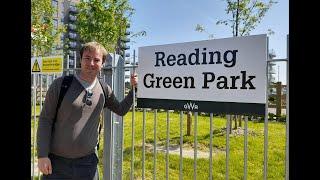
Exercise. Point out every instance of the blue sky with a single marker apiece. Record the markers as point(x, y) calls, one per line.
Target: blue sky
point(174, 21)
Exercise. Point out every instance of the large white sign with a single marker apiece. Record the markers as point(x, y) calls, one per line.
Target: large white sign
point(229, 70)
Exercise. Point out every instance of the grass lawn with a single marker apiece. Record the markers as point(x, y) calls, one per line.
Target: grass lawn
point(276, 149)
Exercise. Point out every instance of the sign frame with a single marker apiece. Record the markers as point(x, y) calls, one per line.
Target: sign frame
point(242, 93)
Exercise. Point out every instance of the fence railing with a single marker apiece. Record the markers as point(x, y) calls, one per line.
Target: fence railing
point(114, 133)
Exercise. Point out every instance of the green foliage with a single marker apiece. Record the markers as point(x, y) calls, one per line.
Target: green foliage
point(246, 15)
point(103, 21)
point(272, 116)
point(43, 34)
point(282, 118)
point(201, 28)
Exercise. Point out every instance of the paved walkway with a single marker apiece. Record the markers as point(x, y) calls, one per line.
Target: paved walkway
point(187, 152)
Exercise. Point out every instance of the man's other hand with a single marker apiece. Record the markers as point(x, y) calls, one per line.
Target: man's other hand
point(44, 165)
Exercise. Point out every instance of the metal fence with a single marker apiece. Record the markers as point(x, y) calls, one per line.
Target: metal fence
point(114, 73)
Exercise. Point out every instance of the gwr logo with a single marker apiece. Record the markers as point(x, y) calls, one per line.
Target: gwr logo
point(190, 106)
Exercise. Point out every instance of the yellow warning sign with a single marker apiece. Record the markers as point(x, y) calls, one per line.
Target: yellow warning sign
point(50, 64)
point(36, 67)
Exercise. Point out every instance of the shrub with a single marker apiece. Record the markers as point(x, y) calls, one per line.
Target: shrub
point(282, 118)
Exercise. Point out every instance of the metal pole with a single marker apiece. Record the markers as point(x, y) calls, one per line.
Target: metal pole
point(143, 141)
point(181, 145)
point(40, 110)
point(210, 155)
point(265, 159)
point(245, 147)
point(155, 144)
point(167, 147)
point(40, 91)
point(34, 117)
point(75, 59)
point(287, 114)
point(68, 65)
point(227, 146)
point(47, 82)
point(132, 125)
point(118, 120)
point(195, 145)
point(265, 164)
point(108, 130)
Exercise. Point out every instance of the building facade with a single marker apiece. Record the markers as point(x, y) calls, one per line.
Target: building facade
point(68, 43)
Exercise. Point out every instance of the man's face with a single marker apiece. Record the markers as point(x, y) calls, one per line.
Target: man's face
point(91, 62)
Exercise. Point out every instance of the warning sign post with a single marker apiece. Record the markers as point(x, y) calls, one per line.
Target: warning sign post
point(50, 64)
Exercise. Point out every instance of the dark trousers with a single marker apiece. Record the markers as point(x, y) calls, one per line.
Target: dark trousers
point(84, 168)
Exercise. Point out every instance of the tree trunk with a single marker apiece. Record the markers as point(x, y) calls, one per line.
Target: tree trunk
point(240, 120)
point(189, 122)
point(237, 18)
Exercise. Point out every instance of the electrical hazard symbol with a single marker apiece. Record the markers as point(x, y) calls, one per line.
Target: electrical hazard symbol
point(36, 67)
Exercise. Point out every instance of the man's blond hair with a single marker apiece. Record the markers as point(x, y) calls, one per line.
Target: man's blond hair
point(94, 46)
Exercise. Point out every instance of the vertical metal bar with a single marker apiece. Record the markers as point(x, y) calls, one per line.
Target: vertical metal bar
point(40, 91)
point(155, 144)
point(287, 114)
point(75, 59)
point(132, 125)
point(167, 147)
point(245, 147)
point(118, 120)
point(40, 101)
point(108, 131)
point(227, 146)
point(181, 145)
point(265, 164)
point(38, 174)
point(210, 155)
point(47, 82)
point(68, 62)
point(34, 124)
point(32, 130)
point(143, 141)
point(68, 65)
point(195, 145)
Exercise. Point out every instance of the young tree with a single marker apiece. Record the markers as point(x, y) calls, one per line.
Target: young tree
point(245, 16)
point(103, 21)
point(43, 33)
point(201, 28)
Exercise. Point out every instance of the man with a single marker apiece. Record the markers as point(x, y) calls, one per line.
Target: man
point(68, 150)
